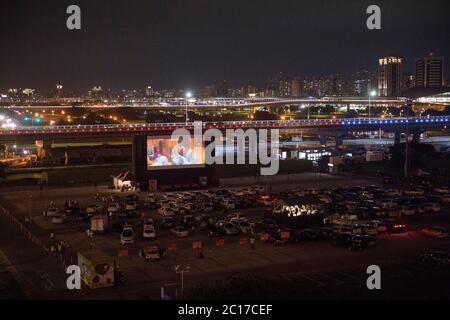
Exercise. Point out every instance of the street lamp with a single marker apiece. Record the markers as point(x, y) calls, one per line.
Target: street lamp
point(187, 96)
point(372, 93)
point(182, 269)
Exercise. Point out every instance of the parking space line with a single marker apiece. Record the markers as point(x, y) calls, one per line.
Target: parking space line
point(319, 283)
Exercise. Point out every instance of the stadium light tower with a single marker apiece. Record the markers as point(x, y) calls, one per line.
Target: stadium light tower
point(187, 96)
point(372, 93)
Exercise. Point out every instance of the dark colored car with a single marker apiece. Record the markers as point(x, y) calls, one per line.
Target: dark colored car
point(309, 234)
point(352, 241)
point(393, 226)
point(214, 231)
point(81, 215)
point(439, 258)
point(326, 233)
point(167, 222)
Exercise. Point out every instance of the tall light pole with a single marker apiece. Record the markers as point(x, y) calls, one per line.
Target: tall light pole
point(187, 96)
point(179, 269)
point(372, 93)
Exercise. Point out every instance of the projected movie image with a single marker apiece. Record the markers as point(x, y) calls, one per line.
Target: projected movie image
point(167, 153)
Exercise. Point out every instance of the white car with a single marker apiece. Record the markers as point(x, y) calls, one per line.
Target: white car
point(324, 199)
point(445, 198)
point(278, 209)
point(388, 203)
point(130, 206)
point(407, 210)
point(113, 208)
point(436, 232)
point(52, 212)
point(169, 196)
point(229, 204)
point(180, 232)
point(441, 190)
point(149, 231)
point(413, 192)
point(393, 193)
point(93, 209)
point(59, 218)
point(228, 228)
point(166, 212)
point(433, 207)
point(127, 235)
point(242, 225)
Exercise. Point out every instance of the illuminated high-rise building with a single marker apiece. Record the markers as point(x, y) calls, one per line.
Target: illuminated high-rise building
point(390, 76)
point(430, 72)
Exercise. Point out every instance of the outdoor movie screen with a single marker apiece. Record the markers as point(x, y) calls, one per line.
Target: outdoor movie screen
point(167, 153)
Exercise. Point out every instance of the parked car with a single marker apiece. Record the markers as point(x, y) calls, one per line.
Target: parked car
point(436, 232)
point(214, 231)
point(166, 212)
point(52, 211)
point(59, 218)
point(431, 207)
point(180, 231)
point(445, 198)
point(395, 227)
point(130, 206)
point(127, 235)
point(113, 208)
point(354, 241)
point(167, 223)
point(148, 231)
point(439, 258)
point(228, 228)
point(93, 209)
point(242, 224)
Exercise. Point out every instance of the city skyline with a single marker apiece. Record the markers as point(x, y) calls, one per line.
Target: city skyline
point(191, 44)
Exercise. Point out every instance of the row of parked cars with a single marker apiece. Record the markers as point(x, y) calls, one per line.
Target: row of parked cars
point(180, 203)
point(375, 201)
point(113, 206)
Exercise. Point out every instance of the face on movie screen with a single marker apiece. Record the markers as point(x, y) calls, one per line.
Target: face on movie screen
point(167, 153)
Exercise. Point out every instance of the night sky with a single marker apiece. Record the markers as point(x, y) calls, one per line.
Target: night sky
point(191, 43)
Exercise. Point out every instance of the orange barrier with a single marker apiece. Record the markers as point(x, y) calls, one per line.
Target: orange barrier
point(197, 245)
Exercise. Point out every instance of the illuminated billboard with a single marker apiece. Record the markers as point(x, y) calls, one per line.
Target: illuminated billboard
point(167, 153)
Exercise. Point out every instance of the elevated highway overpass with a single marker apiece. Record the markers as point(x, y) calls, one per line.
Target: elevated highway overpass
point(319, 126)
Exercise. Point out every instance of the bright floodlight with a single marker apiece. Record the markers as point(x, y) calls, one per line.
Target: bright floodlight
point(373, 93)
point(188, 94)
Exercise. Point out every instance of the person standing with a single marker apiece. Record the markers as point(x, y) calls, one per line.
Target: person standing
point(252, 243)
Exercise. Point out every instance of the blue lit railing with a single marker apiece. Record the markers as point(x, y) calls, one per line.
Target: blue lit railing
point(232, 124)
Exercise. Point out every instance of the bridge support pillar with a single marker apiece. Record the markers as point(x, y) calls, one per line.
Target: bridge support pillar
point(139, 160)
point(323, 140)
point(397, 138)
point(416, 137)
point(339, 141)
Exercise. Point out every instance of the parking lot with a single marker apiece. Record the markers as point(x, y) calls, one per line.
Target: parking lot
point(304, 254)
